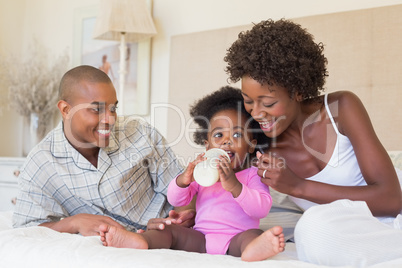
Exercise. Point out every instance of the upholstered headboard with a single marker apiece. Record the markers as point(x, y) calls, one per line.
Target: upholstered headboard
point(364, 56)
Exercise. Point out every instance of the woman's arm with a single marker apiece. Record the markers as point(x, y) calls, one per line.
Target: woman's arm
point(383, 191)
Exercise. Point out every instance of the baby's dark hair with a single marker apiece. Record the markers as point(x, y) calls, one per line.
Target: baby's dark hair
point(279, 52)
point(226, 98)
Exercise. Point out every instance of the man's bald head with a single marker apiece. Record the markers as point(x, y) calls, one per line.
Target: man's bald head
point(71, 80)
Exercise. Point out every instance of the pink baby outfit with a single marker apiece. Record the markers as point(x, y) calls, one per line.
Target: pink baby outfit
point(220, 216)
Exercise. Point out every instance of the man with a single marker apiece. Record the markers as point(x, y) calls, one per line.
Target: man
point(94, 167)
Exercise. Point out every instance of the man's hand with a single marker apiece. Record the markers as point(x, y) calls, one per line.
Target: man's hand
point(184, 218)
point(85, 224)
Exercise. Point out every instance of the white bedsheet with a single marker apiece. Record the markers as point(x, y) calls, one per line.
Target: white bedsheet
point(43, 247)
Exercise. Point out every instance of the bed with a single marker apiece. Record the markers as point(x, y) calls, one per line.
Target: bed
point(43, 247)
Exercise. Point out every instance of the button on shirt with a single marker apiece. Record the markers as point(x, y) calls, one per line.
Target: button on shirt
point(129, 184)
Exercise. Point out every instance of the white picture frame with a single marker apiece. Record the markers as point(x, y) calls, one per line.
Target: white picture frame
point(137, 86)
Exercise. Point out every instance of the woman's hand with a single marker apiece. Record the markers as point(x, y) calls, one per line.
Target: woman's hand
point(277, 175)
point(184, 218)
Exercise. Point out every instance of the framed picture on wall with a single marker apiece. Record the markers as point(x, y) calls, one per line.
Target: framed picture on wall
point(105, 55)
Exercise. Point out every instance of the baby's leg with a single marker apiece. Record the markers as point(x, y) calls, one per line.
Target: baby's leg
point(262, 246)
point(187, 239)
point(121, 238)
point(240, 241)
point(173, 237)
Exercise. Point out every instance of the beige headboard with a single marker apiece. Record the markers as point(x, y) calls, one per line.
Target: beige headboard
point(364, 51)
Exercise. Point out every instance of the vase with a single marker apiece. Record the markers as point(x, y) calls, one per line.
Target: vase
point(30, 132)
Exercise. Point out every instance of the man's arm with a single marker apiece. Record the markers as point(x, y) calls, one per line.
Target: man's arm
point(85, 224)
point(34, 204)
point(165, 165)
point(37, 205)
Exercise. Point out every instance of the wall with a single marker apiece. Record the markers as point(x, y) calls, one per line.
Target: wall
point(20, 21)
point(176, 17)
point(52, 22)
point(11, 42)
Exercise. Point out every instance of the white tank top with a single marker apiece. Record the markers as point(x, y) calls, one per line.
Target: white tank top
point(342, 168)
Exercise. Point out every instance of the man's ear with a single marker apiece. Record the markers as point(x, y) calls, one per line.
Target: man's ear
point(64, 108)
point(252, 146)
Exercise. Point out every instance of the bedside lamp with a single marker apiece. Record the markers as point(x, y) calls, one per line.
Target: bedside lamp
point(124, 21)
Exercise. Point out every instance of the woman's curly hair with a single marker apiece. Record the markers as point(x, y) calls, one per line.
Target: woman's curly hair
point(226, 98)
point(279, 52)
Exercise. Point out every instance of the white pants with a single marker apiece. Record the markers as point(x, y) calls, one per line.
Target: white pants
point(345, 233)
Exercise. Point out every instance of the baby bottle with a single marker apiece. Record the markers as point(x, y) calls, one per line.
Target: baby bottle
point(206, 172)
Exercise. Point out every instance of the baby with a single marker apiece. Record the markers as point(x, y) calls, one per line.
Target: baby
point(228, 212)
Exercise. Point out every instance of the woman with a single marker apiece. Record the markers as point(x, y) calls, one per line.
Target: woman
point(323, 151)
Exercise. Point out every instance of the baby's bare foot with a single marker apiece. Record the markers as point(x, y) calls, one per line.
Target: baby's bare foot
point(121, 238)
point(266, 245)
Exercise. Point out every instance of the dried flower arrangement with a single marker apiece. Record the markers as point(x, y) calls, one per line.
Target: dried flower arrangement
point(33, 84)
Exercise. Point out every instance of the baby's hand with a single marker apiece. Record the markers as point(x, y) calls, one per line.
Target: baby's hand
point(187, 177)
point(227, 177)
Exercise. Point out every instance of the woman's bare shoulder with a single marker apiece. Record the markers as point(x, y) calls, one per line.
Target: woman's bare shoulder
point(348, 111)
point(344, 97)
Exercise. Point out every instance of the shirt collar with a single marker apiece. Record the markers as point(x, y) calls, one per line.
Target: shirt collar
point(60, 146)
